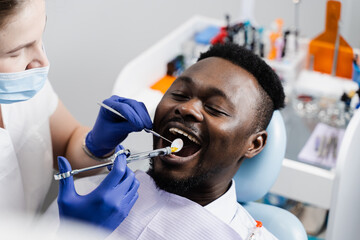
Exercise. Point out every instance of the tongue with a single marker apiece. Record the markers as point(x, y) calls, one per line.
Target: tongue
point(188, 150)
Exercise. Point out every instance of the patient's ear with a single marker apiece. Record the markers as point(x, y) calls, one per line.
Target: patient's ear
point(256, 144)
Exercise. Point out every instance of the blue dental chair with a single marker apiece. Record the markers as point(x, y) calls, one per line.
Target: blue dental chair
point(255, 178)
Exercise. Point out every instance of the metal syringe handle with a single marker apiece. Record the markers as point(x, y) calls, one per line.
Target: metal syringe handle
point(60, 176)
point(139, 156)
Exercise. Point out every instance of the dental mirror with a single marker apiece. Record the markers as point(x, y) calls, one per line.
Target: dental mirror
point(177, 145)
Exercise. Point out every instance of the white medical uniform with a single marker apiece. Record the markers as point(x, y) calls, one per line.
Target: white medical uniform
point(26, 159)
point(161, 215)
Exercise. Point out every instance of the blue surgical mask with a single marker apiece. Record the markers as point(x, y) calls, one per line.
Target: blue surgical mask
point(21, 86)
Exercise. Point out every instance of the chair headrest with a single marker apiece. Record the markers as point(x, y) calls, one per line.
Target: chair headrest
point(256, 175)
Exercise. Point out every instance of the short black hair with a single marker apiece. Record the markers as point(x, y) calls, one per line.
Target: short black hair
point(271, 91)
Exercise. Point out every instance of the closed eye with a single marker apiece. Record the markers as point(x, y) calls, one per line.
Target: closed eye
point(215, 111)
point(180, 96)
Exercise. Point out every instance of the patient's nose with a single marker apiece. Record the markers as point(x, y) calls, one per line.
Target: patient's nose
point(191, 110)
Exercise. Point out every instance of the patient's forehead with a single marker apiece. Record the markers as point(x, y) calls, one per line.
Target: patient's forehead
point(231, 79)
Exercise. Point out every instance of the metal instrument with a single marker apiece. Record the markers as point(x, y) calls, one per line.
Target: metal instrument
point(119, 114)
point(130, 158)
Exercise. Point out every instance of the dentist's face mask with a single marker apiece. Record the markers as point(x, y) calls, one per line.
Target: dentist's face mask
point(21, 86)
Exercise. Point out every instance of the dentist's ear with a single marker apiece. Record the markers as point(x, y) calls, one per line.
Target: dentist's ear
point(256, 144)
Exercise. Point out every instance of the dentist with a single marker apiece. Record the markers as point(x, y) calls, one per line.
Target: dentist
point(36, 128)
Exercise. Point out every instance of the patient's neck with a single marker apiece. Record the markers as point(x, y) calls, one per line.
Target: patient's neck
point(204, 196)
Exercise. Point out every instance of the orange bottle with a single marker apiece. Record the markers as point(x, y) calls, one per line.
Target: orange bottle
point(322, 48)
point(273, 36)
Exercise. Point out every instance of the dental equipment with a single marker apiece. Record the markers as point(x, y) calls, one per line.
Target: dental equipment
point(176, 146)
point(119, 114)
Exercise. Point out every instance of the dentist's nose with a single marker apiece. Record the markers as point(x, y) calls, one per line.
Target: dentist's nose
point(38, 58)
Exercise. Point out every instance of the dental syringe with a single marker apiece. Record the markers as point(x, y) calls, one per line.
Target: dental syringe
point(176, 146)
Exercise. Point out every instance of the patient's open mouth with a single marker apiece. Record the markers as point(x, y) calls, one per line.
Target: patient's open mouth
point(191, 143)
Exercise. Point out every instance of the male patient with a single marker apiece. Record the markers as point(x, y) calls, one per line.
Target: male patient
point(220, 107)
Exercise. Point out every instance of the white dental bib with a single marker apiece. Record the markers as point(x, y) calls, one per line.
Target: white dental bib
point(161, 215)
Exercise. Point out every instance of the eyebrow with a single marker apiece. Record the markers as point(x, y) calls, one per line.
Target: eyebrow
point(186, 79)
point(21, 46)
point(213, 91)
point(26, 44)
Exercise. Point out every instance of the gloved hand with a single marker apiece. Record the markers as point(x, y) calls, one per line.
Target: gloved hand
point(106, 206)
point(110, 129)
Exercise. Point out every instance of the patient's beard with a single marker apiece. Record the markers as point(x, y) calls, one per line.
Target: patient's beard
point(180, 186)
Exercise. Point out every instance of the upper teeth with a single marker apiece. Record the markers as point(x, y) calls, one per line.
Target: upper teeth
point(176, 130)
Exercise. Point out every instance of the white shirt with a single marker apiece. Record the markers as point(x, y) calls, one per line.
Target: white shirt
point(228, 210)
point(26, 159)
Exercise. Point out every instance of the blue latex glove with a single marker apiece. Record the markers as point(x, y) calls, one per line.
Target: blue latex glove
point(110, 129)
point(106, 206)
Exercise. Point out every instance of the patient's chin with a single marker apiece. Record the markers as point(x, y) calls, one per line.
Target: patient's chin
point(177, 186)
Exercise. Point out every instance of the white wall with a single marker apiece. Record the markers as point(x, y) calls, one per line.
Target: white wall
point(89, 41)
